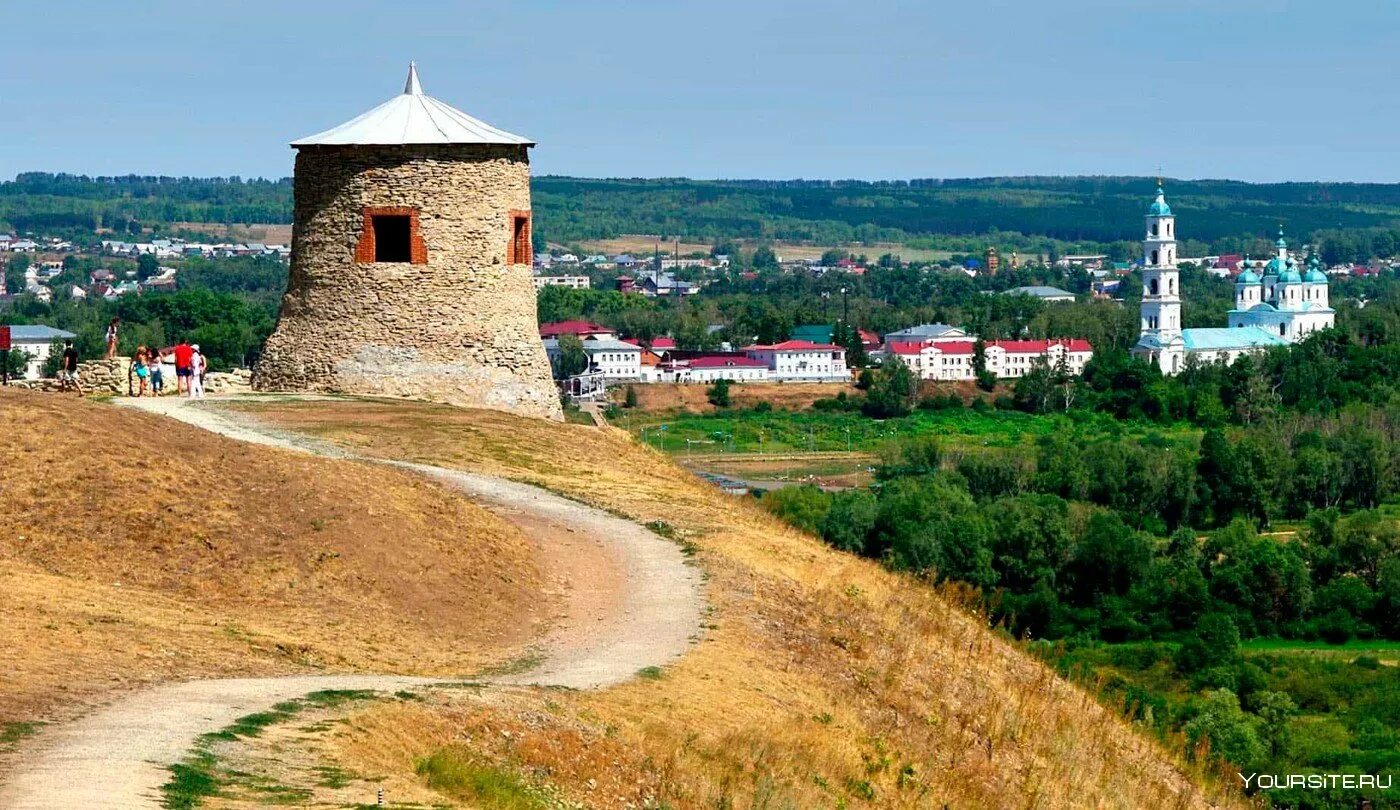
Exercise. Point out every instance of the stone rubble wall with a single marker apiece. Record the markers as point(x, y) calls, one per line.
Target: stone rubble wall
point(110, 377)
point(460, 328)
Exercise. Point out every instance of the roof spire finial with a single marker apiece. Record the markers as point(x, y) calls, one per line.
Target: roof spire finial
point(412, 87)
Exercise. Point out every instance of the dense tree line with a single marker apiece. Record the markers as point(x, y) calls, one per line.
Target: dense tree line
point(1036, 215)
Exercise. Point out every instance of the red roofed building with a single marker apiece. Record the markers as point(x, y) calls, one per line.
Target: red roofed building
point(802, 360)
point(661, 344)
point(709, 368)
point(579, 329)
point(951, 360)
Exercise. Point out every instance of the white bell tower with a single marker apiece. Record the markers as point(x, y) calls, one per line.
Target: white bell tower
point(1161, 290)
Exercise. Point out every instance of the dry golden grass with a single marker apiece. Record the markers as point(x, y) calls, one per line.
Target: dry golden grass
point(823, 680)
point(137, 549)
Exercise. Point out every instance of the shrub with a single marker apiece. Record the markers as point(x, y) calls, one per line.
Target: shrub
point(718, 394)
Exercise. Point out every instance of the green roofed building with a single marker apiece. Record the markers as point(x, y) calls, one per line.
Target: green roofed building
point(813, 333)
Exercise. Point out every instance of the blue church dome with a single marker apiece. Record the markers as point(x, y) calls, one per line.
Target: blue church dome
point(1248, 277)
point(1159, 207)
point(1314, 274)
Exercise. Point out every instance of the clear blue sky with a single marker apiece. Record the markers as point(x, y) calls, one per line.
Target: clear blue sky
point(1249, 89)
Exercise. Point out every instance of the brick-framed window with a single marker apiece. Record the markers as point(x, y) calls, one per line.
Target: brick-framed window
point(390, 233)
point(519, 249)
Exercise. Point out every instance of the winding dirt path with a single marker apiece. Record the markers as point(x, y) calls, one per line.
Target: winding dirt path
point(629, 601)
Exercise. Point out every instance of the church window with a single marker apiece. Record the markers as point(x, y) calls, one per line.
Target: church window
point(1154, 229)
point(1153, 284)
point(1283, 329)
point(1154, 258)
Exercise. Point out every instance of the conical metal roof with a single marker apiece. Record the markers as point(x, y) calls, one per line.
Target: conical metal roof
point(412, 118)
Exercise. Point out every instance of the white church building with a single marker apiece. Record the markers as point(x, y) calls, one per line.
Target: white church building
point(1275, 309)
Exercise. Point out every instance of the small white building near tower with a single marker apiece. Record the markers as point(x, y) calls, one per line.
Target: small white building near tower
point(1274, 310)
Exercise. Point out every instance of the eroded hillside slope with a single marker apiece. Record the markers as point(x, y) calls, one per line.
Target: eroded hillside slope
point(823, 680)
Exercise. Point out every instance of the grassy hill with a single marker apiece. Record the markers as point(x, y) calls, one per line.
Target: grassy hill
point(822, 679)
point(137, 549)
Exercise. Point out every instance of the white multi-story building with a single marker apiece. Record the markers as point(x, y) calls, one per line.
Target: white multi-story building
point(952, 360)
point(607, 356)
point(724, 367)
point(572, 282)
point(802, 361)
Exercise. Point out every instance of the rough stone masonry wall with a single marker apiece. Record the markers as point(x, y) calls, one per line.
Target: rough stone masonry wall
point(460, 328)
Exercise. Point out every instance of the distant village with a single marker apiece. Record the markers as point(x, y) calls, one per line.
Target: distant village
point(933, 351)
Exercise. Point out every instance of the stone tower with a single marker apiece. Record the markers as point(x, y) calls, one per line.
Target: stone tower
point(411, 260)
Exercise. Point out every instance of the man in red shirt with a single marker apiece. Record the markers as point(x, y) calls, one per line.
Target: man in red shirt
point(184, 355)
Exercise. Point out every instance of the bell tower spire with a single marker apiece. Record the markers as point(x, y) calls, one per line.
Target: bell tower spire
point(1161, 301)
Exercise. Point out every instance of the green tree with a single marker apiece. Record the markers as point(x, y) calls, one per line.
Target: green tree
point(147, 265)
point(892, 392)
point(718, 394)
point(571, 359)
point(850, 519)
point(14, 273)
point(805, 507)
point(1226, 730)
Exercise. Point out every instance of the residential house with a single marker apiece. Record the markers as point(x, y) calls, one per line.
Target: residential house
point(1046, 294)
point(37, 342)
point(709, 368)
point(608, 357)
point(657, 283)
point(572, 282)
point(802, 360)
point(579, 329)
point(928, 332)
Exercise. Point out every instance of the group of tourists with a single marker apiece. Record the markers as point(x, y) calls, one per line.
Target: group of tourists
point(190, 366)
point(145, 377)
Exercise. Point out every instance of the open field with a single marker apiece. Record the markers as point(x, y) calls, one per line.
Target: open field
point(640, 244)
point(739, 431)
point(822, 680)
point(1382, 649)
point(137, 550)
point(271, 233)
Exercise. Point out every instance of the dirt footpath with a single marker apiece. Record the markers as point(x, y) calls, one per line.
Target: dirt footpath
point(630, 601)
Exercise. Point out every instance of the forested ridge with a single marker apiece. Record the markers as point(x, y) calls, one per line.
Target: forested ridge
point(1028, 213)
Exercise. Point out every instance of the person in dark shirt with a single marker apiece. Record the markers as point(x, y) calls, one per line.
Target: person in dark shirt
point(68, 369)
